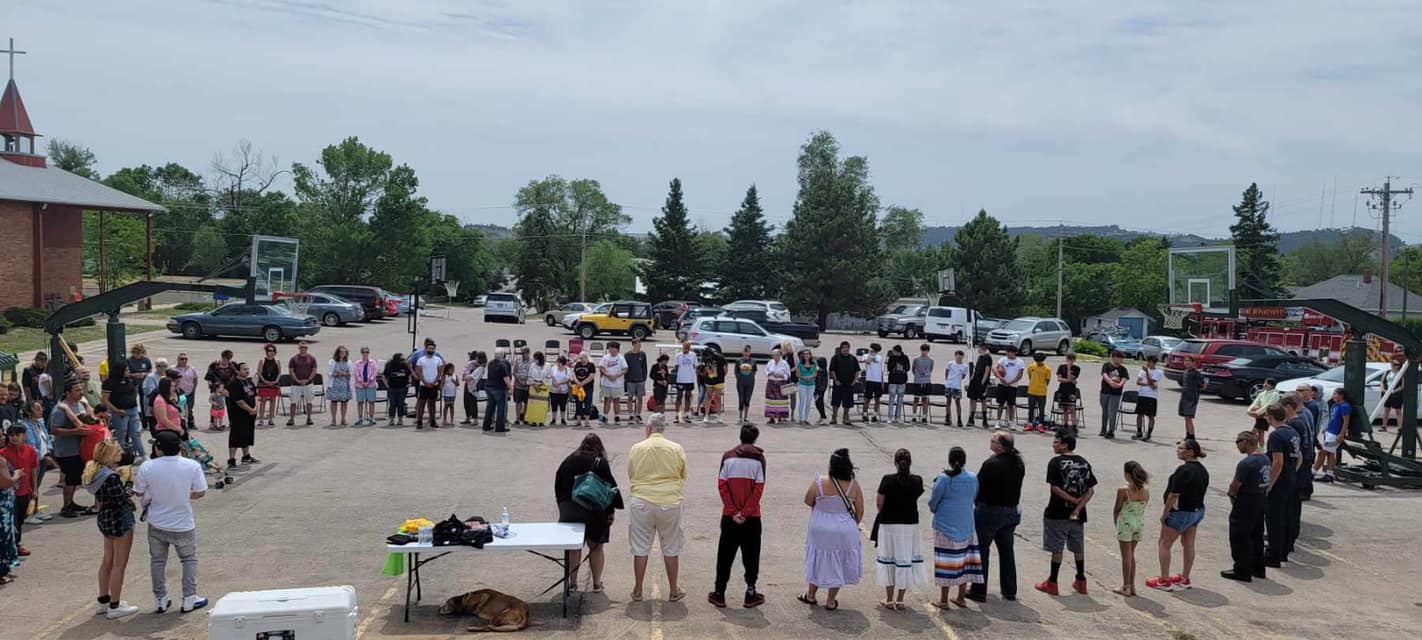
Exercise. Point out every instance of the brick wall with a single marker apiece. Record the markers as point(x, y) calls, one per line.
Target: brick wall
point(16, 256)
point(63, 252)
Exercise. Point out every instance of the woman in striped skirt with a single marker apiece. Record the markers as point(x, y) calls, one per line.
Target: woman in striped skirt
point(777, 375)
point(956, 557)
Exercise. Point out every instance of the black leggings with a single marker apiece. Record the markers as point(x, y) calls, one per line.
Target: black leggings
point(745, 390)
point(820, 401)
point(558, 402)
point(471, 407)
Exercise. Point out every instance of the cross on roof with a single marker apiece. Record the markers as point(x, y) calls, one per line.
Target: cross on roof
point(12, 52)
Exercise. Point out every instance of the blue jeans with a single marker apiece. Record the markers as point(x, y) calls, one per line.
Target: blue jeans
point(396, 399)
point(806, 397)
point(995, 526)
point(127, 429)
point(496, 409)
point(896, 402)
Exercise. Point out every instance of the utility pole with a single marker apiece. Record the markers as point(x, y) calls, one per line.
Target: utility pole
point(1061, 230)
point(583, 258)
point(1382, 200)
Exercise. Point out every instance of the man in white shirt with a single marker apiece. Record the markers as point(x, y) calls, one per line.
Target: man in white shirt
point(685, 379)
point(873, 382)
point(167, 485)
point(1008, 371)
point(611, 368)
point(1148, 397)
point(427, 364)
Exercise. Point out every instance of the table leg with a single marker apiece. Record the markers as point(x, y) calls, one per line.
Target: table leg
point(409, 584)
point(567, 573)
point(419, 589)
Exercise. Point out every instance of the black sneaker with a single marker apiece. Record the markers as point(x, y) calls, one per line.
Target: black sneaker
point(716, 599)
point(1260, 575)
point(1136, 437)
point(309, 422)
point(249, 460)
point(231, 463)
point(291, 422)
point(754, 599)
point(975, 597)
point(1229, 574)
point(69, 511)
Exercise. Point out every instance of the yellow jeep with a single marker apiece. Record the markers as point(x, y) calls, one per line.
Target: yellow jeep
point(627, 317)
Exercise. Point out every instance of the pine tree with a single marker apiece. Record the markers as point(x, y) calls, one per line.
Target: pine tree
point(1259, 270)
point(750, 249)
point(675, 270)
point(984, 259)
point(831, 254)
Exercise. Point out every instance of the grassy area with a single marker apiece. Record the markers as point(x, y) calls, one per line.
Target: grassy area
point(25, 341)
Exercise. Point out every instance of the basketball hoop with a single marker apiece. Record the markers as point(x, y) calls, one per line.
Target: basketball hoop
point(451, 289)
point(298, 305)
point(1174, 314)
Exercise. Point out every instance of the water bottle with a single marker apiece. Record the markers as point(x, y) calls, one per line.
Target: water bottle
point(505, 518)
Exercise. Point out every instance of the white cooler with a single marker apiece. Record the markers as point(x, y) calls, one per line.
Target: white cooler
point(315, 613)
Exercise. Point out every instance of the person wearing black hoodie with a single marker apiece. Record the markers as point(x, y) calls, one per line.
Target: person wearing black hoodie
point(741, 484)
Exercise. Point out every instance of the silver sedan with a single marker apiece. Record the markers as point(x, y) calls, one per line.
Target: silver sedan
point(1156, 346)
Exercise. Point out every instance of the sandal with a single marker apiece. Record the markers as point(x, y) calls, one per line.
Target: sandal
point(887, 605)
point(805, 598)
point(636, 596)
point(7, 579)
point(962, 604)
point(677, 596)
point(941, 605)
point(831, 607)
point(899, 606)
point(597, 588)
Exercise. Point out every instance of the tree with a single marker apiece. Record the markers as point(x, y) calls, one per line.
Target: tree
point(405, 229)
point(557, 219)
point(336, 196)
point(610, 271)
point(831, 244)
point(1351, 253)
point(188, 209)
point(712, 250)
point(1406, 272)
point(208, 251)
point(675, 271)
point(74, 158)
point(747, 275)
point(984, 259)
point(1140, 277)
point(1256, 245)
point(911, 269)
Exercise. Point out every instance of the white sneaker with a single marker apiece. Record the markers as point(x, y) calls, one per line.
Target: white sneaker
point(193, 603)
point(162, 603)
point(123, 610)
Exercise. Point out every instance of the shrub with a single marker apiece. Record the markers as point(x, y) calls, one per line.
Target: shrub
point(83, 322)
point(26, 317)
point(4, 325)
point(1089, 348)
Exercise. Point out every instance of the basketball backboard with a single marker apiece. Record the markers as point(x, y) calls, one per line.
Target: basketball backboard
point(1201, 275)
point(274, 261)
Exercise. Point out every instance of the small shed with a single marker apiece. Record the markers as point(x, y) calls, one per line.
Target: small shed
point(1136, 322)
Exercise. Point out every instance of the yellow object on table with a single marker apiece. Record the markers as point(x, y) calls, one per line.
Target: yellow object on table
point(412, 526)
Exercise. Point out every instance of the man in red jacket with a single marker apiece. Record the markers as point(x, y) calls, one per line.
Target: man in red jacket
point(741, 483)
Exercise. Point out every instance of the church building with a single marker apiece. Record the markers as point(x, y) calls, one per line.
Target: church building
point(41, 213)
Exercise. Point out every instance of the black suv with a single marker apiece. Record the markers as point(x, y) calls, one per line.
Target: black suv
point(371, 299)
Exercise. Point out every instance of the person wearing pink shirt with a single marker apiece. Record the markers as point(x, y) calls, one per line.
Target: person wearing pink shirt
point(365, 379)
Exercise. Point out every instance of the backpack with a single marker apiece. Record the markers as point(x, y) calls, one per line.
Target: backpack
point(448, 532)
point(591, 492)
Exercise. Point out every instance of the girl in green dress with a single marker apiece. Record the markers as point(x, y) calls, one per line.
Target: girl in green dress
point(1130, 522)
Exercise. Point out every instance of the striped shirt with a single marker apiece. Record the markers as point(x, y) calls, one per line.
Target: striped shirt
point(742, 481)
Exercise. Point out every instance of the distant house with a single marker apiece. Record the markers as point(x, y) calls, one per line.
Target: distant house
point(1361, 291)
point(1136, 322)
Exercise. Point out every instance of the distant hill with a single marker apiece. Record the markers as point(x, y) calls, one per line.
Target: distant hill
point(1289, 241)
point(493, 231)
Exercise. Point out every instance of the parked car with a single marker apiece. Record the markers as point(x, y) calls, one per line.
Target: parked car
point(273, 322)
point(983, 326)
point(773, 309)
point(504, 307)
point(683, 323)
point(553, 317)
point(1214, 351)
point(1243, 378)
point(1333, 379)
point(330, 310)
point(401, 302)
point(570, 320)
point(906, 319)
point(948, 323)
point(808, 332)
point(624, 317)
point(371, 299)
point(667, 312)
point(478, 301)
point(731, 335)
point(1029, 334)
point(1126, 345)
point(1158, 346)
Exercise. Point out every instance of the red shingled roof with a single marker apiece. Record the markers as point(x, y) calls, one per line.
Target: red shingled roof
point(13, 118)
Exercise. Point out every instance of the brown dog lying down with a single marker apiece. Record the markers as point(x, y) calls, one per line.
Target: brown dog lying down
point(503, 612)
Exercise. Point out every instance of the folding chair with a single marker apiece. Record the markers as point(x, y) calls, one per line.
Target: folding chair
point(1128, 398)
point(519, 344)
point(1059, 416)
point(284, 396)
point(595, 348)
point(502, 343)
point(552, 348)
point(575, 346)
point(318, 393)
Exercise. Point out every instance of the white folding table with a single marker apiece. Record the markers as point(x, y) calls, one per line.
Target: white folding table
point(533, 537)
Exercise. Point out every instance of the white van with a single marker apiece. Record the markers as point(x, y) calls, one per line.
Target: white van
point(954, 324)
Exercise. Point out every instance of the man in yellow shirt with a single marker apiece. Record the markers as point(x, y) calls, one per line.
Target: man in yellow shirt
point(657, 468)
point(1038, 375)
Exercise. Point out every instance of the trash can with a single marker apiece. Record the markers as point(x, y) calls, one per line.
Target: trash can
point(315, 613)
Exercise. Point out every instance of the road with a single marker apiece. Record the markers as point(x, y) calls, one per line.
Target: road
point(316, 510)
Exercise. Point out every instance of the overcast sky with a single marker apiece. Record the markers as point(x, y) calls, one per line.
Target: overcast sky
point(1152, 119)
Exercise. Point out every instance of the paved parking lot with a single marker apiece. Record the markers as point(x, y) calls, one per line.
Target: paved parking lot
point(317, 508)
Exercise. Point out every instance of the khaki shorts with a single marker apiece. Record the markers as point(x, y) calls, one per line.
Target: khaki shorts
point(647, 520)
point(610, 391)
point(301, 394)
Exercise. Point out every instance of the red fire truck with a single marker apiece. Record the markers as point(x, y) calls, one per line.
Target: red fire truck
point(1298, 330)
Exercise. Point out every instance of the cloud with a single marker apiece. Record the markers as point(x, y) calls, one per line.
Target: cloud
point(1089, 112)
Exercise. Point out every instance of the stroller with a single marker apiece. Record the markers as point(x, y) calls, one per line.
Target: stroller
point(192, 448)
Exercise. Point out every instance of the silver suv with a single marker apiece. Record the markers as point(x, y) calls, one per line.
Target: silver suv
point(1030, 334)
point(907, 319)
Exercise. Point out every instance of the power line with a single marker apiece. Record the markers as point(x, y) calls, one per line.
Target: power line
point(1382, 201)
